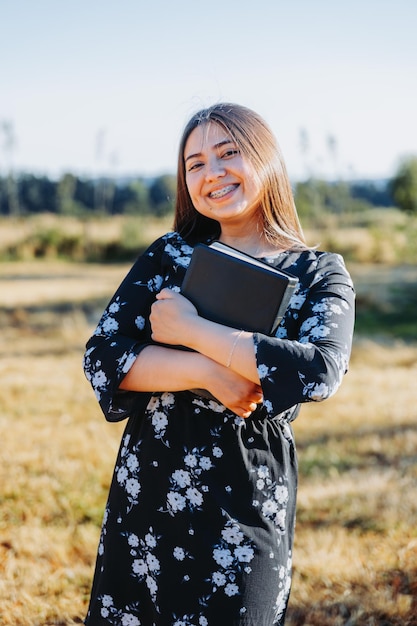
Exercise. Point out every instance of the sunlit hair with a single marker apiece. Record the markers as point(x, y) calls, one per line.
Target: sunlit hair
point(257, 144)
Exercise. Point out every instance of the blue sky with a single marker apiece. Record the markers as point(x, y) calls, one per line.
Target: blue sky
point(95, 86)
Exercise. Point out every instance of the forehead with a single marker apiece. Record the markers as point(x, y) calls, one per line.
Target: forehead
point(206, 137)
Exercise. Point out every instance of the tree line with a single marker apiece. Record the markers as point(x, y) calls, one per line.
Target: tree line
point(72, 195)
point(27, 194)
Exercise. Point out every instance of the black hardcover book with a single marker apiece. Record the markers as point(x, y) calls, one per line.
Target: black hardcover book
point(234, 289)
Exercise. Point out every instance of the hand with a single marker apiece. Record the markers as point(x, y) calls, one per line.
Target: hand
point(237, 393)
point(171, 318)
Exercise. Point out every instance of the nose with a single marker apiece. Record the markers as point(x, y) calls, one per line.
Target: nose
point(215, 169)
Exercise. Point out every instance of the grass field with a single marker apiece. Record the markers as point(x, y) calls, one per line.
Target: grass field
point(356, 539)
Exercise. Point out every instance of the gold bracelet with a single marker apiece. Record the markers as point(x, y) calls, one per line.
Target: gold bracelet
point(229, 360)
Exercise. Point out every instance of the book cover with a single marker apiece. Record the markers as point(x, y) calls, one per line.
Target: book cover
point(234, 289)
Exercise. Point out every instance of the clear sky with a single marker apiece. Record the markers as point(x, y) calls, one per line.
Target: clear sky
point(93, 86)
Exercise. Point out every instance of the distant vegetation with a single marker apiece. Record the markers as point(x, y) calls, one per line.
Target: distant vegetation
point(27, 194)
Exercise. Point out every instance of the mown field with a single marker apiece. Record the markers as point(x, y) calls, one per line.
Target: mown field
point(356, 541)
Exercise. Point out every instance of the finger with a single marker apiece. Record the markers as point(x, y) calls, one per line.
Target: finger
point(164, 294)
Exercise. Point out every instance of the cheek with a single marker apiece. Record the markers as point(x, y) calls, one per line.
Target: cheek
point(193, 192)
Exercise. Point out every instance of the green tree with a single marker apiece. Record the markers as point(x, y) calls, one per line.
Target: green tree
point(68, 204)
point(162, 194)
point(404, 185)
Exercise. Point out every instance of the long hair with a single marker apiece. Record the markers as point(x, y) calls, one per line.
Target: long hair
point(258, 144)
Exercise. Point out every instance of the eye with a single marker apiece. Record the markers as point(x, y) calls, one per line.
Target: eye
point(230, 153)
point(194, 166)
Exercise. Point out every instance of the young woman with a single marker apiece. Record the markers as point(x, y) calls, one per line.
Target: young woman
point(199, 523)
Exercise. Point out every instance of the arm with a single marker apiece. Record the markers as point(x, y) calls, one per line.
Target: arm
point(175, 321)
point(157, 368)
point(307, 359)
point(123, 365)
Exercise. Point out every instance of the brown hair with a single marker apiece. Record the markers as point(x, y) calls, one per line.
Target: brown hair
point(258, 144)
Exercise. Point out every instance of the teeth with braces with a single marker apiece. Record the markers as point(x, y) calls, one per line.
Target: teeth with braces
point(221, 192)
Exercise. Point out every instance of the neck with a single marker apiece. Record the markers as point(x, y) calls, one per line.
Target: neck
point(254, 243)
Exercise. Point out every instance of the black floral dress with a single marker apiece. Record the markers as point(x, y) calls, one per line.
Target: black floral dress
point(199, 523)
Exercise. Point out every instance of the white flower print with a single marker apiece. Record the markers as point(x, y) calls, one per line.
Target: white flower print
point(205, 462)
point(262, 370)
point(194, 496)
point(114, 307)
point(181, 477)
point(122, 474)
point(318, 332)
point(158, 410)
point(269, 508)
point(319, 307)
point(152, 562)
point(181, 256)
point(99, 382)
point(187, 488)
point(265, 372)
point(231, 555)
point(217, 452)
point(281, 494)
point(179, 553)
point(244, 554)
point(263, 471)
point(176, 502)
point(297, 300)
point(106, 600)
point(133, 540)
point(139, 567)
point(159, 421)
point(129, 620)
point(150, 540)
point(281, 332)
point(232, 534)
point(127, 472)
point(145, 565)
point(219, 579)
point(132, 462)
point(190, 460)
point(284, 588)
point(308, 324)
point(119, 617)
point(154, 284)
point(140, 322)
point(126, 361)
point(132, 487)
point(231, 589)
point(316, 391)
point(108, 325)
point(273, 497)
point(336, 309)
point(319, 392)
point(223, 557)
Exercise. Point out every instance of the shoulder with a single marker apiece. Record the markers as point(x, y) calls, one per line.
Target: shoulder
point(170, 243)
point(168, 250)
point(312, 266)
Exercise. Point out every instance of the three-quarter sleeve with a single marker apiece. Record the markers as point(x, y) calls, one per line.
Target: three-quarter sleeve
point(122, 332)
point(309, 356)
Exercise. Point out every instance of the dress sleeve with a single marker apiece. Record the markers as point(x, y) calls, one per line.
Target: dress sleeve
point(310, 365)
point(122, 332)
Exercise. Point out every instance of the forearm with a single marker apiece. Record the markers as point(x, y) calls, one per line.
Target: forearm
point(163, 369)
point(229, 347)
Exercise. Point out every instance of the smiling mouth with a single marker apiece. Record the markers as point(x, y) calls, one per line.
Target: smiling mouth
point(219, 193)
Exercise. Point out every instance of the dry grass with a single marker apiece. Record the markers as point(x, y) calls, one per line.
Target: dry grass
point(356, 541)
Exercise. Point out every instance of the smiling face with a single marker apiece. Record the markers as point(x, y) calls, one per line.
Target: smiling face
point(222, 184)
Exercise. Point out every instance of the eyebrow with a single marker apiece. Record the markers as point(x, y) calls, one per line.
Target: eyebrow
point(216, 147)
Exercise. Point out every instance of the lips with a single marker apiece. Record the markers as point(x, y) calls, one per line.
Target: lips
point(223, 191)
